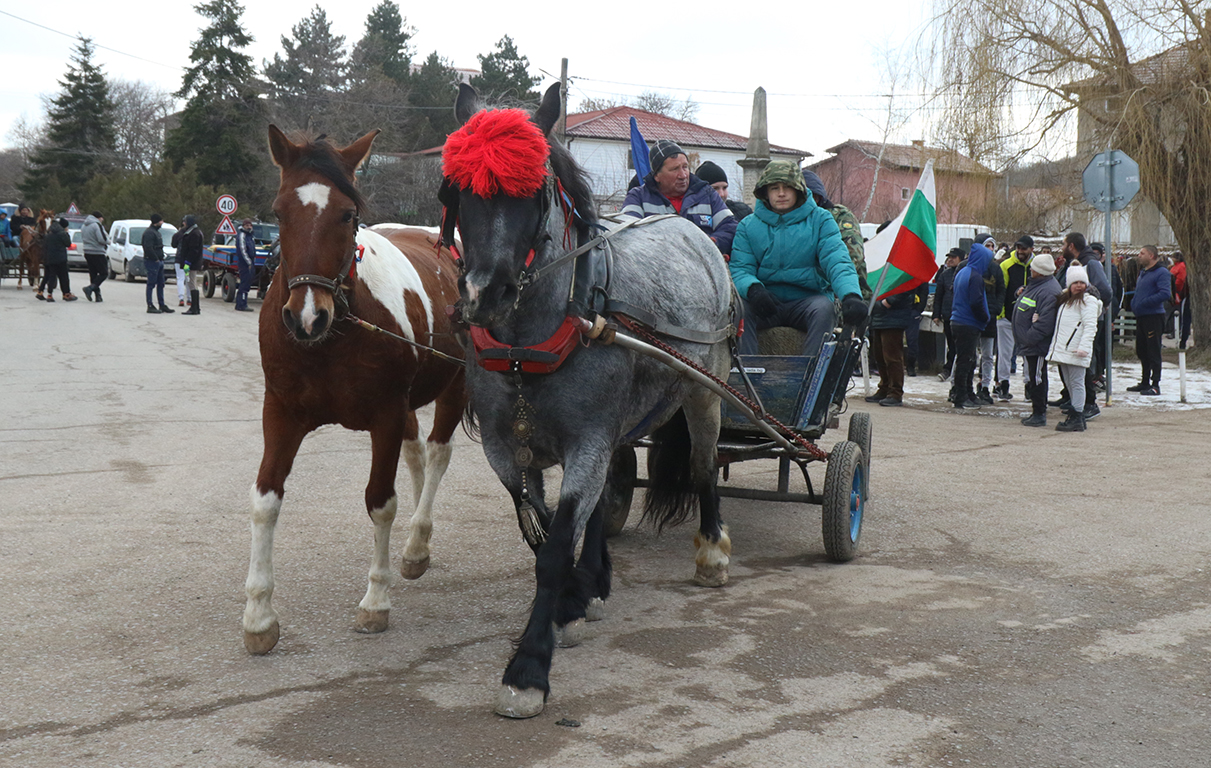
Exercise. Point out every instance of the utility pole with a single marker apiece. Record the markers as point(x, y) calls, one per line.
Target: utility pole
point(561, 129)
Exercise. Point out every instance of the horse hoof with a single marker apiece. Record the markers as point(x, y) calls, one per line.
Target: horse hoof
point(595, 610)
point(711, 576)
point(570, 635)
point(371, 622)
point(413, 570)
point(261, 643)
point(519, 704)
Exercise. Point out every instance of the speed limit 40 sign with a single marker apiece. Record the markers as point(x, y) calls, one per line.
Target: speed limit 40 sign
point(226, 204)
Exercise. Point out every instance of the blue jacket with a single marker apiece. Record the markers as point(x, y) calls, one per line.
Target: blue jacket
point(1152, 290)
point(970, 304)
point(245, 249)
point(701, 205)
point(795, 254)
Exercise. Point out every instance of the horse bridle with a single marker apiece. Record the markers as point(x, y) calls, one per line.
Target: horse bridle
point(332, 285)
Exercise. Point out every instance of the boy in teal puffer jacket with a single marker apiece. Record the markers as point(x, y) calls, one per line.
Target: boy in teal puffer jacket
point(790, 264)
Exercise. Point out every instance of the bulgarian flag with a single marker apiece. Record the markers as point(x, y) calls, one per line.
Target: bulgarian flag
point(905, 252)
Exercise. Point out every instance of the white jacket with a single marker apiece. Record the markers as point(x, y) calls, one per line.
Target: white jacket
point(1075, 328)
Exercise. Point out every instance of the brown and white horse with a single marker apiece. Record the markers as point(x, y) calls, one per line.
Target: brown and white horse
point(31, 249)
point(392, 277)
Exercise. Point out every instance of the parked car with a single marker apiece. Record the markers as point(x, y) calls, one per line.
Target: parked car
point(125, 252)
point(75, 251)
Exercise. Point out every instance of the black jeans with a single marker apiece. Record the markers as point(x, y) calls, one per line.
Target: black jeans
point(1148, 331)
point(56, 274)
point(950, 346)
point(98, 270)
point(1036, 375)
point(967, 340)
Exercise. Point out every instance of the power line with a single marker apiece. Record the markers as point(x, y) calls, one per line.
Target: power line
point(95, 45)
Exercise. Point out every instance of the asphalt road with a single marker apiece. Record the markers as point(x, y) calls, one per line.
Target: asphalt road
point(1022, 597)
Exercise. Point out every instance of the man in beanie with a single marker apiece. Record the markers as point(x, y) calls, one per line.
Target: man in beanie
point(671, 188)
point(245, 259)
point(1033, 319)
point(847, 222)
point(714, 175)
point(153, 262)
point(1153, 288)
point(789, 263)
point(1014, 267)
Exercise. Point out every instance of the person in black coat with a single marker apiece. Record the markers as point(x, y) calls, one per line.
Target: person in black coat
point(188, 241)
point(888, 319)
point(943, 301)
point(54, 259)
point(153, 262)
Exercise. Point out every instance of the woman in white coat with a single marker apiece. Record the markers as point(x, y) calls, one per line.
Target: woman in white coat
point(1072, 345)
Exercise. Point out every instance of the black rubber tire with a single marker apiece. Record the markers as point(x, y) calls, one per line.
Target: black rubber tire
point(840, 521)
point(860, 433)
point(208, 283)
point(619, 490)
point(127, 275)
point(112, 275)
point(230, 285)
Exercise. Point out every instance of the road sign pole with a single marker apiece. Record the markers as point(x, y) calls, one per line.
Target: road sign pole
point(1109, 257)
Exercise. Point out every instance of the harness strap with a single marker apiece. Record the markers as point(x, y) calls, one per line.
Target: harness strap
point(545, 357)
point(643, 316)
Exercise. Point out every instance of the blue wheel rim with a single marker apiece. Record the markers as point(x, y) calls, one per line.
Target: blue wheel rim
point(856, 502)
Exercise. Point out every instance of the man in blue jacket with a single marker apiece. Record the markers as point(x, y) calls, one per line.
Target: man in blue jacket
point(1152, 289)
point(968, 317)
point(671, 188)
point(790, 264)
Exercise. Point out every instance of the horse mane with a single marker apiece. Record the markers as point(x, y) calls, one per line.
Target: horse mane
point(575, 182)
point(321, 157)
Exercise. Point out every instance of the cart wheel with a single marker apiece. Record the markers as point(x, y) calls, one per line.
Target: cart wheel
point(859, 432)
point(229, 288)
point(619, 490)
point(208, 283)
point(844, 501)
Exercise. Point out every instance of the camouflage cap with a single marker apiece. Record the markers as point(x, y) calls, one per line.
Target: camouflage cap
point(784, 171)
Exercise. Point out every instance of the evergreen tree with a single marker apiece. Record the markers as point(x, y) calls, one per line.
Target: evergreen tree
point(504, 75)
point(314, 63)
point(386, 46)
point(434, 89)
point(222, 125)
point(79, 129)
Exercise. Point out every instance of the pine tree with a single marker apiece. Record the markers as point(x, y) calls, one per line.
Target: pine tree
point(434, 89)
point(505, 75)
point(386, 46)
point(222, 125)
point(314, 63)
point(79, 129)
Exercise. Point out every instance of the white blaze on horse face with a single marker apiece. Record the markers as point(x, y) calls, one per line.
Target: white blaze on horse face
point(389, 275)
point(308, 316)
point(314, 194)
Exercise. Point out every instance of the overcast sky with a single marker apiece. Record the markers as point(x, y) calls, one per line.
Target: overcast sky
point(823, 64)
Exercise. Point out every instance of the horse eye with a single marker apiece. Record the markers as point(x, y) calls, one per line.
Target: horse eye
point(348, 217)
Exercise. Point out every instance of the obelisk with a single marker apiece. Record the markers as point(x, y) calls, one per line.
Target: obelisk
point(756, 154)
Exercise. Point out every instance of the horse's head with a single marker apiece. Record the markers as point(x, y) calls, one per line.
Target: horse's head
point(317, 206)
point(496, 182)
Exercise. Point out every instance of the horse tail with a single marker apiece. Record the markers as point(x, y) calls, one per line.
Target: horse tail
point(672, 497)
point(471, 422)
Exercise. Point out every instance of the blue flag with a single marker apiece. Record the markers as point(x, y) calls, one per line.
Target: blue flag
point(639, 152)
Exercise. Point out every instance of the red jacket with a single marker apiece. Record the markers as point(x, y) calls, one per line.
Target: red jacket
point(1179, 275)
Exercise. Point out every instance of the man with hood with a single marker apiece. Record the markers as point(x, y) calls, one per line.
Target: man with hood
point(94, 244)
point(712, 174)
point(188, 241)
point(847, 222)
point(1015, 268)
point(994, 293)
point(1033, 319)
point(968, 317)
point(790, 265)
point(671, 188)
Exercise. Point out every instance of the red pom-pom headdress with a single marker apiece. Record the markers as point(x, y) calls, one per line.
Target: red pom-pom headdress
point(497, 150)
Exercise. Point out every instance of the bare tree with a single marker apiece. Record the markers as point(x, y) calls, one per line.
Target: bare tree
point(140, 111)
point(27, 136)
point(649, 101)
point(1134, 75)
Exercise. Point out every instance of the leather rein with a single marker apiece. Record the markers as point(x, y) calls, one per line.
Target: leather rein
point(336, 286)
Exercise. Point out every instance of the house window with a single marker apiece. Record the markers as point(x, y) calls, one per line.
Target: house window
point(903, 193)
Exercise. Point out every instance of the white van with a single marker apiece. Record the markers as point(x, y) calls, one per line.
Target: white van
point(125, 252)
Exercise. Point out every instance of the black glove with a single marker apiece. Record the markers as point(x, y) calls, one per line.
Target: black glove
point(762, 300)
point(853, 309)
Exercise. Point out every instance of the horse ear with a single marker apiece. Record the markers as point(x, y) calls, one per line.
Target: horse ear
point(356, 153)
point(467, 103)
point(283, 150)
point(547, 114)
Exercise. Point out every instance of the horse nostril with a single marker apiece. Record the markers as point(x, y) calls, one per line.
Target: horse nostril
point(288, 317)
point(508, 294)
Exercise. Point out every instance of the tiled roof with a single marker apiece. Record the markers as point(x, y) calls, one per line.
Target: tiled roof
point(615, 123)
point(913, 156)
point(1164, 67)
